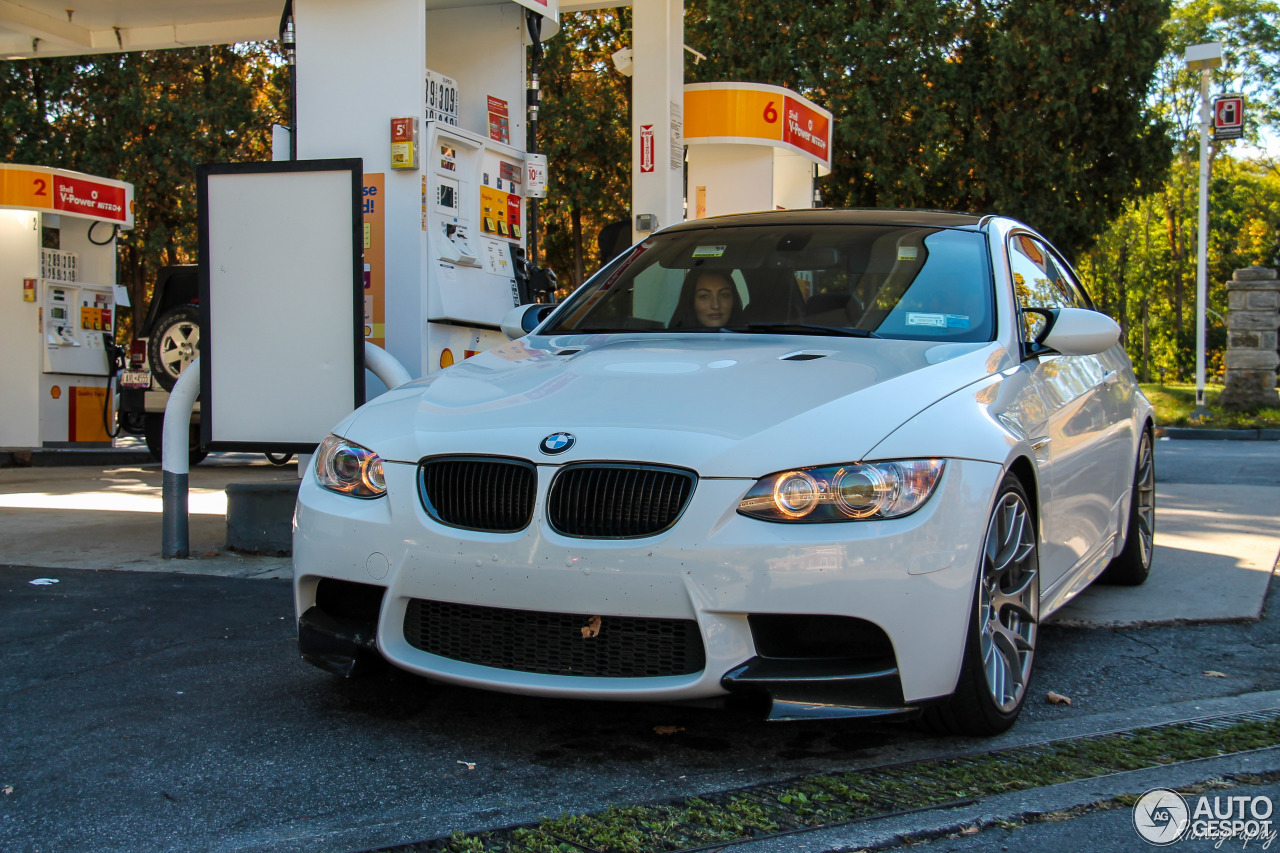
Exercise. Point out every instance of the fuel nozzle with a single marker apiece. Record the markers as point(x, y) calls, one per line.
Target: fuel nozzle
point(117, 356)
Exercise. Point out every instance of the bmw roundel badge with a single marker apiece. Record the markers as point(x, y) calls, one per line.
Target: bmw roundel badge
point(557, 443)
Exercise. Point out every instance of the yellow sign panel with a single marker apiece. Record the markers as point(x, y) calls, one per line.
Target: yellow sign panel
point(732, 112)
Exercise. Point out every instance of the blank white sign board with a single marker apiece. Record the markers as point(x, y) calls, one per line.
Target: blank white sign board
point(281, 300)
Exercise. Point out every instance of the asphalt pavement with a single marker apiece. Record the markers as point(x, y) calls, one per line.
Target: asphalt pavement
point(168, 710)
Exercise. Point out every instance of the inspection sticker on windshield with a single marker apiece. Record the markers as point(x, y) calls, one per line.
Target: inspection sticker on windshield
point(908, 253)
point(940, 321)
point(709, 251)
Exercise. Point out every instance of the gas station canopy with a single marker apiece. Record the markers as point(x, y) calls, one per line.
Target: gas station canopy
point(72, 27)
point(54, 28)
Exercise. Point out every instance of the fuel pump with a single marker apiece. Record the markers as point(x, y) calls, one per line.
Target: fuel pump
point(59, 304)
point(448, 149)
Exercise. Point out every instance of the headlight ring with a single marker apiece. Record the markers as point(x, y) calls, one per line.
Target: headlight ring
point(348, 468)
point(850, 492)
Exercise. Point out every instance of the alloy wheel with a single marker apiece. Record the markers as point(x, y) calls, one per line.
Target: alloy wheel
point(1145, 495)
point(178, 346)
point(1009, 601)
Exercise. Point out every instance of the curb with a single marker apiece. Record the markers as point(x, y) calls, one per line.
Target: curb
point(55, 457)
point(893, 832)
point(1183, 433)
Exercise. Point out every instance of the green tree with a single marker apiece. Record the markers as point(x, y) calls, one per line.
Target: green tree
point(147, 118)
point(1134, 269)
point(585, 132)
point(1034, 108)
point(1143, 266)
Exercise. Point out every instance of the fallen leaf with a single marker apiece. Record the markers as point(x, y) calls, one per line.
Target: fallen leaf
point(667, 730)
point(970, 830)
point(6, 790)
point(592, 628)
point(470, 765)
point(1213, 673)
point(1057, 698)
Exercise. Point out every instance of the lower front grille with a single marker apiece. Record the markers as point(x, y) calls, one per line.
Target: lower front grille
point(555, 643)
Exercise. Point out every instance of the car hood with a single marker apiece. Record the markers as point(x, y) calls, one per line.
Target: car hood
point(729, 405)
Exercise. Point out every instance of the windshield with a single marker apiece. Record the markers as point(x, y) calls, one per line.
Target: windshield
point(892, 281)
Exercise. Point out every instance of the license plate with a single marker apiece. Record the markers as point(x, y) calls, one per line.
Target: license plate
point(135, 379)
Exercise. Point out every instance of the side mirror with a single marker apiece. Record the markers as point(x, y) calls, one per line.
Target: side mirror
point(1077, 331)
point(523, 319)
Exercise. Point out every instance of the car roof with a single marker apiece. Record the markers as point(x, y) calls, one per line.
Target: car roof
point(838, 216)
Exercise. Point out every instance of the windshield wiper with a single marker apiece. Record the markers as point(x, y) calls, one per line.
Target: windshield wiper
point(805, 329)
point(603, 331)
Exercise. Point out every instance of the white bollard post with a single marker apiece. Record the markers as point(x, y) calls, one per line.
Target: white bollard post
point(176, 464)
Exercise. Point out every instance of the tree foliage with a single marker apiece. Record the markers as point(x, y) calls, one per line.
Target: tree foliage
point(1135, 270)
point(586, 133)
point(1033, 108)
point(148, 118)
point(1250, 34)
point(1143, 266)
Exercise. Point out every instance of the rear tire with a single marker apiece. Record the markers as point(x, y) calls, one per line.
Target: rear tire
point(1003, 624)
point(174, 343)
point(153, 433)
point(1132, 566)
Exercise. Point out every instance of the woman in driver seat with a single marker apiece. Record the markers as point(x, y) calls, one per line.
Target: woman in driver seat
point(708, 300)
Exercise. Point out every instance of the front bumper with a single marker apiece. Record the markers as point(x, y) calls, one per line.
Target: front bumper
point(912, 578)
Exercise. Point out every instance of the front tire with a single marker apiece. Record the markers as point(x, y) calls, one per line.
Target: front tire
point(1132, 566)
point(1003, 624)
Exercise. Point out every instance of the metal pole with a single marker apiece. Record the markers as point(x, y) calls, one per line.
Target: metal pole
point(175, 437)
point(1202, 244)
point(533, 22)
point(287, 42)
point(385, 366)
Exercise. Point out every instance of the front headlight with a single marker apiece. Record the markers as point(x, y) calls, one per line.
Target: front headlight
point(852, 492)
point(346, 467)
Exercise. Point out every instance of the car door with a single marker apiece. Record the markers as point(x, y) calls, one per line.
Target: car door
point(1077, 519)
point(1116, 396)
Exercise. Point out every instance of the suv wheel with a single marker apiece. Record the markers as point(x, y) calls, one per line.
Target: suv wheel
point(174, 343)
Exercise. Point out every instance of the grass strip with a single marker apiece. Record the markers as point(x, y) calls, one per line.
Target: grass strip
point(1175, 404)
point(829, 799)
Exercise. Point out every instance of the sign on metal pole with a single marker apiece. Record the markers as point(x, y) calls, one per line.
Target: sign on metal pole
point(1228, 117)
point(281, 302)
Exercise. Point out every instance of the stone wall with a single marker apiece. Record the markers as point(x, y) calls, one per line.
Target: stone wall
point(1253, 316)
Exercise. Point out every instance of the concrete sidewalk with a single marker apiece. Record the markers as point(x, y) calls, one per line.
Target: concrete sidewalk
point(1217, 529)
point(83, 517)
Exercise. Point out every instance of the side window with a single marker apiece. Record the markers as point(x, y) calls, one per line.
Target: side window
point(1037, 282)
point(1067, 281)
